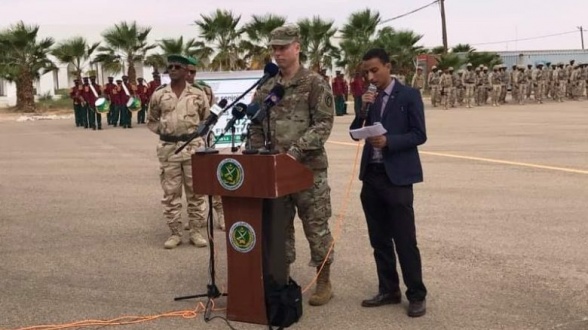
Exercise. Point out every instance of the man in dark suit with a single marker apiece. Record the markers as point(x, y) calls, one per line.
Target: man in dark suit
point(390, 165)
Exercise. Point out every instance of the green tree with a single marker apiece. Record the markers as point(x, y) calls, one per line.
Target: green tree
point(316, 35)
point(402, 47)
point(126, 44)
point(488, 59)
point(357, 37)
point(258, 33)
point(76, 53)
point(24, 59)
point(220, 28)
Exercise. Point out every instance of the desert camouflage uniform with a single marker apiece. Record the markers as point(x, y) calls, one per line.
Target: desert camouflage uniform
point(217, 202)
point(469, 80)
point(301, 124)
point(173, 116)
point(539, 82)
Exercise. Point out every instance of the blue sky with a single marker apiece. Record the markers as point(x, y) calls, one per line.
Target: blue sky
point(469, 21)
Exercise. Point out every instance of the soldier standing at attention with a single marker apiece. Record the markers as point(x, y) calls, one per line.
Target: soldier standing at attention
point(446, 87)
point(529, 78)
point(433, 80)
point(175, 110)
point(496, 82)
point(302, 121)
point(523, 84)
point(539, 80)
point(418, 81)
point(217, 202)
point(469, 81)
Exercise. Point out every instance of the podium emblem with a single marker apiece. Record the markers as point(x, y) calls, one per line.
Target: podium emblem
point(242, 237)
point(230, 174)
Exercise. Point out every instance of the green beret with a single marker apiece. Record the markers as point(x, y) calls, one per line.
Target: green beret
point(178, 59)
point(192, 61)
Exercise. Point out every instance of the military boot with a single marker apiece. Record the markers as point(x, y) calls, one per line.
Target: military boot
point(176, 237)
point(323, 292)
point(196, 236)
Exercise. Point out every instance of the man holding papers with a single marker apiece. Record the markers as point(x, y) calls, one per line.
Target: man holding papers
point(390, 165)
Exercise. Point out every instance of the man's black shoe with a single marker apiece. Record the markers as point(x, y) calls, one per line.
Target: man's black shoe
point(382, 299)
point(417, 308)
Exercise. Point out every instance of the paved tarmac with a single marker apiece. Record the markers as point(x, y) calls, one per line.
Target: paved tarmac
point(501, 223)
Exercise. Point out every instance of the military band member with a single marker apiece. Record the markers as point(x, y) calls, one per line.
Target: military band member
point(77, 101)
point(142, 93)
point(108, 88)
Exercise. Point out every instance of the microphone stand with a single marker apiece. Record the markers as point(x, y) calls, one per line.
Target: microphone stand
point(212, 291)
point(269, 145)
point(233, 147)
point(248, 150)
point(195, 134)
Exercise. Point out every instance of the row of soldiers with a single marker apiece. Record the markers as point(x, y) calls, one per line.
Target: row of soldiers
point(476, 86)
point(84, 99)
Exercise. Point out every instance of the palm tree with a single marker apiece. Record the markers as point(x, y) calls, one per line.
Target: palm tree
point(445, 61)
point(258, 30)
point(462, 48)
point(23, 59)
point(221, 28)
point(316, 37)
point(171, 46)
point(485, 58)
point(357, 37)
point(402, 47)
point(126, 44)
point(438, 50)
point(75, 52)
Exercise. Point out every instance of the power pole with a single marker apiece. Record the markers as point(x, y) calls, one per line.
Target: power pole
point(581, 35)
point(443, 26)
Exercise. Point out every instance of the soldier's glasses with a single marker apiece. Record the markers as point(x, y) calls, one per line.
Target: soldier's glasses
point(174, 67)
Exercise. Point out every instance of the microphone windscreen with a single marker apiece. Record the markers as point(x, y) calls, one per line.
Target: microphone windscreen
point(271, 69)
point(223, 103)
point(278, 91)
point(239, 110)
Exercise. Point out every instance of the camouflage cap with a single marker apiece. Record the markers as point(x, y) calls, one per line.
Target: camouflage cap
point(469, 64)
point(284, 35)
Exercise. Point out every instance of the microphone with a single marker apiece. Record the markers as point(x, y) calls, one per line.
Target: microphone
point(371, 89)
point(269, 71)
point(215, 112)
point(272, 99)
point(238, 112)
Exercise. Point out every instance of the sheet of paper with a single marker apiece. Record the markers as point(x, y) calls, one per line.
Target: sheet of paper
point(368, 131)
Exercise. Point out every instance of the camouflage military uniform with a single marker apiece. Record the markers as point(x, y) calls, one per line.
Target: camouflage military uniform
point(469, 81)
point(217, 202)
point(496, 82)
point(301, 124)
point(172, 117)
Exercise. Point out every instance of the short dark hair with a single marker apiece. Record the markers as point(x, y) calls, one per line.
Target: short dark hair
point(378, 53)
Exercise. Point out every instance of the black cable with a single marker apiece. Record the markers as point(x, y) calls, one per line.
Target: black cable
point(409, 13)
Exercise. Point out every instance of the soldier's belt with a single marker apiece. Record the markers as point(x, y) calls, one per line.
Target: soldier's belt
point(174, 138)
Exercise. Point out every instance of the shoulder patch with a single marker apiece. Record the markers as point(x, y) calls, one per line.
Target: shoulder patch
point(328, 99)
point(160, 87)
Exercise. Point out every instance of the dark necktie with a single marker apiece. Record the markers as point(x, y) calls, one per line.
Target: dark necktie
point(377, 107)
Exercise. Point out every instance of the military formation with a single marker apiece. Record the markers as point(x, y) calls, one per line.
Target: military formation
point(117, 101)
point(480, 86)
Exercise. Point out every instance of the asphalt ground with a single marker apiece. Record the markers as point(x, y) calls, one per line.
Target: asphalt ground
point(501, 224)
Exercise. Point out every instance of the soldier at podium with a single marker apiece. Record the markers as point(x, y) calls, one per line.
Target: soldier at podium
point(302, 122)
point(175, 110)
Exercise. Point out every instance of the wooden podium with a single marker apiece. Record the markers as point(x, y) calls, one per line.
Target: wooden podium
point(251, 187)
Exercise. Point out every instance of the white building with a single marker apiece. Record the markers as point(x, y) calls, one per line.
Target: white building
point(61, 79)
